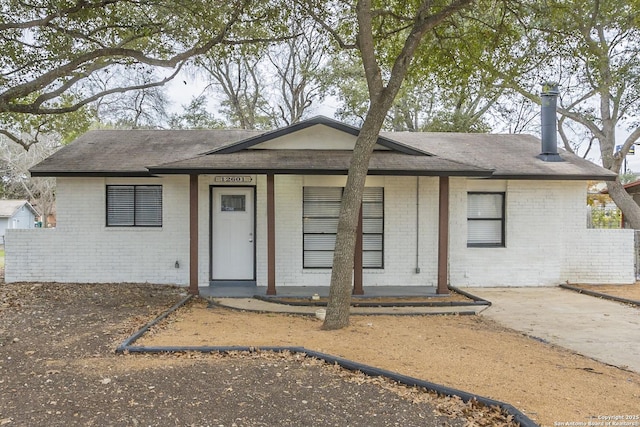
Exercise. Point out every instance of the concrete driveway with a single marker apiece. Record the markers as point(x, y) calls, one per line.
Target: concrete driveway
point(603, 330)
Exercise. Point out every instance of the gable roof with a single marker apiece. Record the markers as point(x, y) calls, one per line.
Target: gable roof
point(9, 208)
point(151, 152)
point(252, 142)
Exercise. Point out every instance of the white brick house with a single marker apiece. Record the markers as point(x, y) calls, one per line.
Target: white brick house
point(206, 207)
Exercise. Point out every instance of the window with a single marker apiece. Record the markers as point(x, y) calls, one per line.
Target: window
point(321, 208)
point(134, 205)
point(232, 203)
point(485, 219)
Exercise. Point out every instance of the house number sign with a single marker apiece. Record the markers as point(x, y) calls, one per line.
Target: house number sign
point(235, 179)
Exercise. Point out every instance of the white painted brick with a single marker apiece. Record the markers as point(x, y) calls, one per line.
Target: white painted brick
point(547, 241)
point(83, 249)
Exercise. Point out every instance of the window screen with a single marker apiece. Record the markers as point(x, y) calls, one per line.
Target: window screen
point(485, 219)
point(321, 208)
point(134, 206)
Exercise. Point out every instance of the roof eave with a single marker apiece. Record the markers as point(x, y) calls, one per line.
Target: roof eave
point(320, 171)
point(554, 177)
point(93, 173)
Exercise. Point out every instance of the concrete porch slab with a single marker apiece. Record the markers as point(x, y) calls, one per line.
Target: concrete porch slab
point(248, 291)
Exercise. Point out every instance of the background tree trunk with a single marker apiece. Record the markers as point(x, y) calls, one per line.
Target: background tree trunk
point(628, 206)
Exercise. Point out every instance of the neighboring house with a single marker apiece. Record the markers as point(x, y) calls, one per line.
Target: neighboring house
point(201, 207)
point(633, 188)
point(16, 214)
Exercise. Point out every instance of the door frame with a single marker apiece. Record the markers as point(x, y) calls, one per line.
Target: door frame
point(240, 281)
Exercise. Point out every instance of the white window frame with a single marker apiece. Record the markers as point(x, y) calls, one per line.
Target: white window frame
point(488, 218)
point(152, 219)
point(372, 233)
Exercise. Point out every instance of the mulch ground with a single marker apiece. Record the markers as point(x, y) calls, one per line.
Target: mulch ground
point(58, 367)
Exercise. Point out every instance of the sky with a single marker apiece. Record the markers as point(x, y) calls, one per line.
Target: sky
point(183, 88)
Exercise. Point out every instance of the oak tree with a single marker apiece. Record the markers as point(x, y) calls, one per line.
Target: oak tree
point(386, 36)
point(50, 47)
point(591, 49)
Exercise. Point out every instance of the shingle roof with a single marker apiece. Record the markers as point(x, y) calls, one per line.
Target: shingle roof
point(318, 162)
point(9, 207)
point(147, 152)
point(509, 155)
point(118, 152)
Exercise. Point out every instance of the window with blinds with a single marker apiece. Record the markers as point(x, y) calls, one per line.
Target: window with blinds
point(321, 208)
point(134, 206)
point(485, 219)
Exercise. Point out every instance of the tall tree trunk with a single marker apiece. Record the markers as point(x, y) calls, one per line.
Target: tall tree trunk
point(342, 272)
point(381, 97)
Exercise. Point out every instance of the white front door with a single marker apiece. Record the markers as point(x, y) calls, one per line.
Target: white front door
point(232, 229)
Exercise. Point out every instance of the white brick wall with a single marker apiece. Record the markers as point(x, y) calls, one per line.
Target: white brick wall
point(599, 256)
point(547, 241)
point(83, 249)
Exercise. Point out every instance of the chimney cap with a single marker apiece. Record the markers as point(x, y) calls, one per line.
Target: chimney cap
point(550, 89)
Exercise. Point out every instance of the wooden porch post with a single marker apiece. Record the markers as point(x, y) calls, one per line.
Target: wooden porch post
point(271, 236)
point(193, 235)
point(357, 259)
point(443, 236)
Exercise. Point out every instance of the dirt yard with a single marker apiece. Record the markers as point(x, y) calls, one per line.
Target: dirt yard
point(58, 368)
point(549, 384)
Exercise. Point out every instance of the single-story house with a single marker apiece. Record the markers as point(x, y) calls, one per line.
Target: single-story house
point(202, 207)
point(16, 214)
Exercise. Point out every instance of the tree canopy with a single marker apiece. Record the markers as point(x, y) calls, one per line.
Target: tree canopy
point(50, 47)
point(592, 49)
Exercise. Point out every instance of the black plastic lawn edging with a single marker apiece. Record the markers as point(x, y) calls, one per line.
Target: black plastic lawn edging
point(371, 371)
point(600, 295)
point(362, 302)
point(476, 299)
point(350, 365)
point(126, 343)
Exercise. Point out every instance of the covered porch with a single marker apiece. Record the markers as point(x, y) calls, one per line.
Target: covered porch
point(313, 152)
point(249, 289)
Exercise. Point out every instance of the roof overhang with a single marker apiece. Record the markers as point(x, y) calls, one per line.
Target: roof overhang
point(551, 177)
point(91, 173)
point(317, 162)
